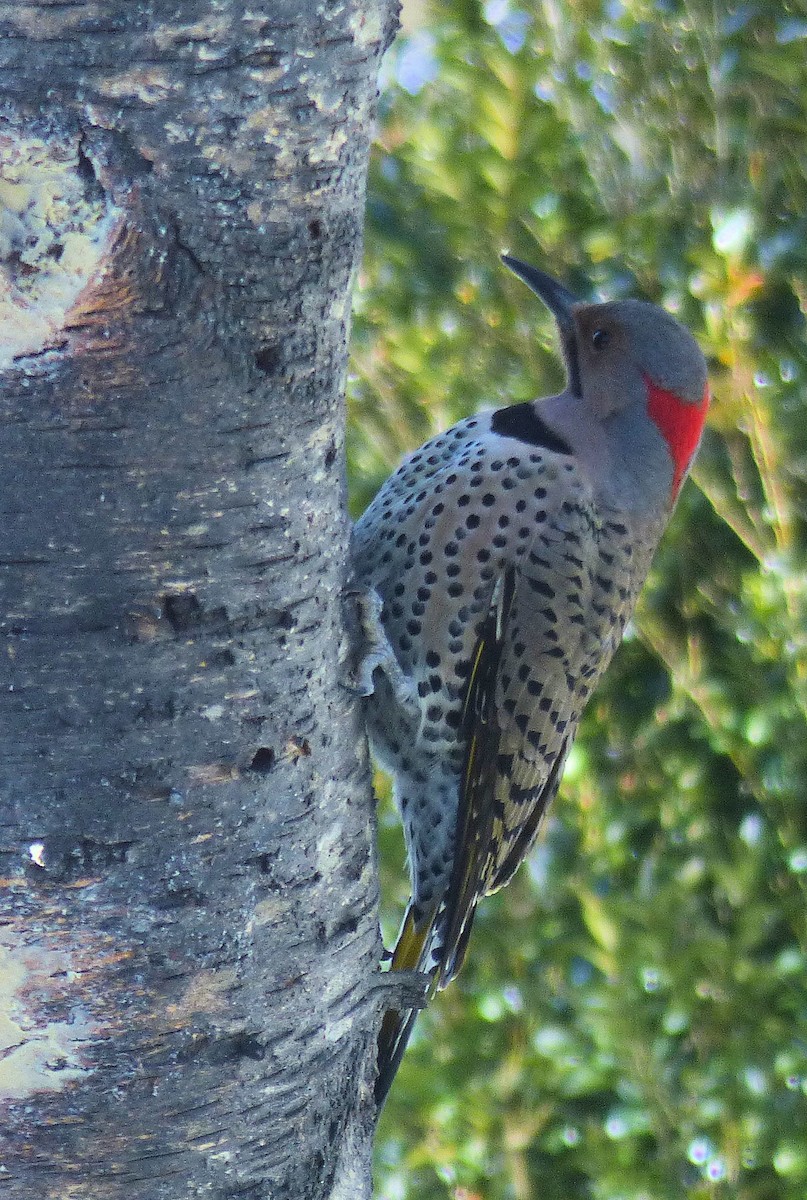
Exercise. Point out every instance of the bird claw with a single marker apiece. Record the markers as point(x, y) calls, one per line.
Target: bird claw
point(376, 652)
point(404, 989)
point(363, 618)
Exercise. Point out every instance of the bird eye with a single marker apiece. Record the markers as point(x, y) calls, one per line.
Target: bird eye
point(600, 339)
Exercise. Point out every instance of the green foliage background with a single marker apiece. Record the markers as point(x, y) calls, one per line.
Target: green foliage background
point(632, 1020)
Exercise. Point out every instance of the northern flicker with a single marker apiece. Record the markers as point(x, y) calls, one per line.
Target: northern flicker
point(501, 562)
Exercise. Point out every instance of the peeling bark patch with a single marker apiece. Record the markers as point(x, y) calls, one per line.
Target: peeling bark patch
point(206, 992)
point(209, 774)
point(297, 748)
point(56, 225)
point(272, 911)
point(44, 1027)
point(365, 26)
point(150, 85)
point(49, 24)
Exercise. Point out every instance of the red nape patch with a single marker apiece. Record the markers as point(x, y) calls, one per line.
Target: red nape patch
point(679, 422)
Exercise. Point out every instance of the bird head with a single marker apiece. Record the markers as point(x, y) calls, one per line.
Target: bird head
point(637, 392)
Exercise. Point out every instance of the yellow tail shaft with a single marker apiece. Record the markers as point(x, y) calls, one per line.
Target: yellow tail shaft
point(412, 953)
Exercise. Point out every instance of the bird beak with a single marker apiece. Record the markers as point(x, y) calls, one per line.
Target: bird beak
point(561, 303)
point(558, 299)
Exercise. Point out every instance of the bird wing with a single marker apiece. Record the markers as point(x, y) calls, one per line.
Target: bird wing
point(507, 785)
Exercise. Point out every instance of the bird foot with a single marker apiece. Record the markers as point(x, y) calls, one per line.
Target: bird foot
point(404, 989)
point(376, 652)
point(365, 619)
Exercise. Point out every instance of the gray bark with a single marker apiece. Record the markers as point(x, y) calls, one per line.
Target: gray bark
point(188, 934)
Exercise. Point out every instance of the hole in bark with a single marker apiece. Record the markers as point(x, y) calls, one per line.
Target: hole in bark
point(354, 866)
point(265, 862)
point(239, 1045)
point(263, 760)
point(182, 611)
point(222, 658)
point(180, 896)
point(330, 456)
point(155, 708)
point(267, 359)
point(344, 928)
point(93, 192)
point(315, 228)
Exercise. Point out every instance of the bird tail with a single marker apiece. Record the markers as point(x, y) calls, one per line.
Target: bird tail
point(415, 950)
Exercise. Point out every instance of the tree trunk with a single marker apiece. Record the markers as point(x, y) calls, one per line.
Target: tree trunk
point(188, 933)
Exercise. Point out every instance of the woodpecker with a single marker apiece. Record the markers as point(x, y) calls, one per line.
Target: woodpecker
point(499, 566)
